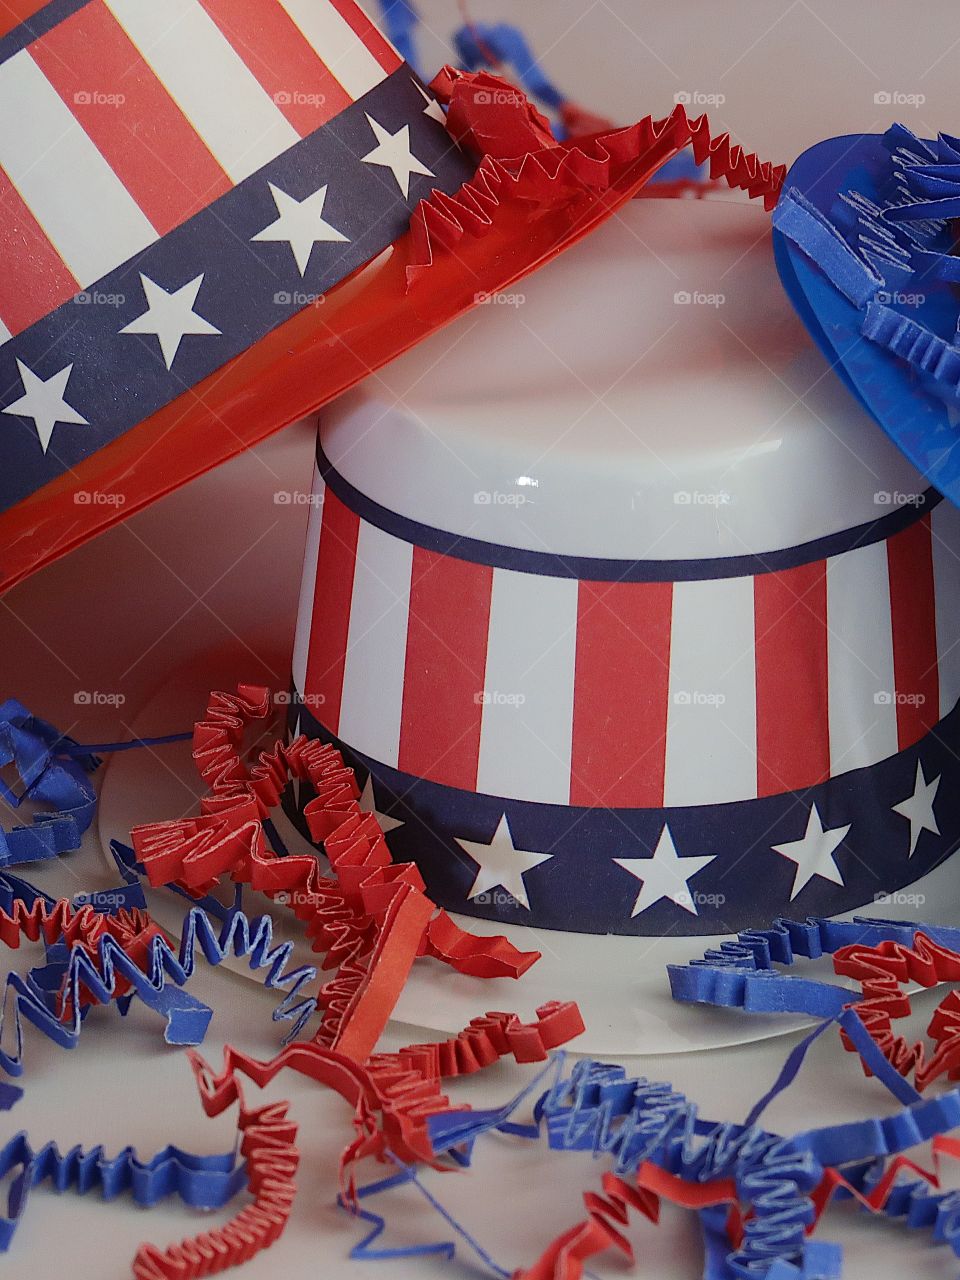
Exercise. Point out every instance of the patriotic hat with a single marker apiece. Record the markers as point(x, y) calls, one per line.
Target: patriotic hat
point(217, 215)
point(628, 617)
point(866, 247)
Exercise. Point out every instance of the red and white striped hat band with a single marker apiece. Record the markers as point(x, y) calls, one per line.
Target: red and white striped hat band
point(624, 684)
point(150, 111)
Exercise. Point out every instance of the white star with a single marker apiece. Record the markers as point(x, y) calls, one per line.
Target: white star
point(393, 152)
point(170, 316)
point(501, 863)
point(368, 803)
point(433, 108)
point(300, 224)
point(918, 808)
point(813, 854)
point(43, 402)
point(665, 875)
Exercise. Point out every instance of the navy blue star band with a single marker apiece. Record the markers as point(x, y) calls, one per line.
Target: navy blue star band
point(728, 866)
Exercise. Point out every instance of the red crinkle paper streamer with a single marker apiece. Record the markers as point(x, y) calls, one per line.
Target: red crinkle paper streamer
point(393, 1096)
point(82, 926)
point(565, 1256)
point(525, 171)
point(371, 919)
point(881, 970)
point(268, 1144)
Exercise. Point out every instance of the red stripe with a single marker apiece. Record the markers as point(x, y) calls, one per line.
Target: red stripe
point(621, 694)
point(33, 277)
point(336, 561)
point(128, 114)
point(382, 49)
point(444, 671)
point(277, 53)
point(790, 617)
point(910, 565)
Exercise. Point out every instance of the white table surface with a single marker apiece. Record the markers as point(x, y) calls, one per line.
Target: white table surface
point(118, 615)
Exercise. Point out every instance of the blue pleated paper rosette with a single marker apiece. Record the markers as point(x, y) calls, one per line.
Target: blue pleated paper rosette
point(865, 241)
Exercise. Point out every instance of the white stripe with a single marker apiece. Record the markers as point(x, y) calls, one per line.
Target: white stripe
point(860, 680)
point(4, 332)
point(209, 81)
point(945, 530)
point(308, 585)
point(337, 44)
point(711, 751)
point(84, 209)
point(527, 724)
point(372, 696)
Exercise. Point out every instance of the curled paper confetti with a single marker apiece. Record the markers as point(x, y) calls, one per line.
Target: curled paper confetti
point(268, 1145)
point(102, 964)
point(239, 936)
point(203, 1182)
point(50, 774)
point(881, 971)
point(246, 937)
point(531, 197)
point(759, 1195)
point(371, 918)
point(881, 955)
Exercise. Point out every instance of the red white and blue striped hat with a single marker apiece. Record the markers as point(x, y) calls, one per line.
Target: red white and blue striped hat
point(179, 182)
point(630, 617)
point(186, 188)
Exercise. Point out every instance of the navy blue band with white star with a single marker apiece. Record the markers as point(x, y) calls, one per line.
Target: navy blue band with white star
point(149, 331)
point(705, 869)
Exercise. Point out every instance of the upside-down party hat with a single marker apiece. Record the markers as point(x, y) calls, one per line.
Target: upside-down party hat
point(232, 214)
